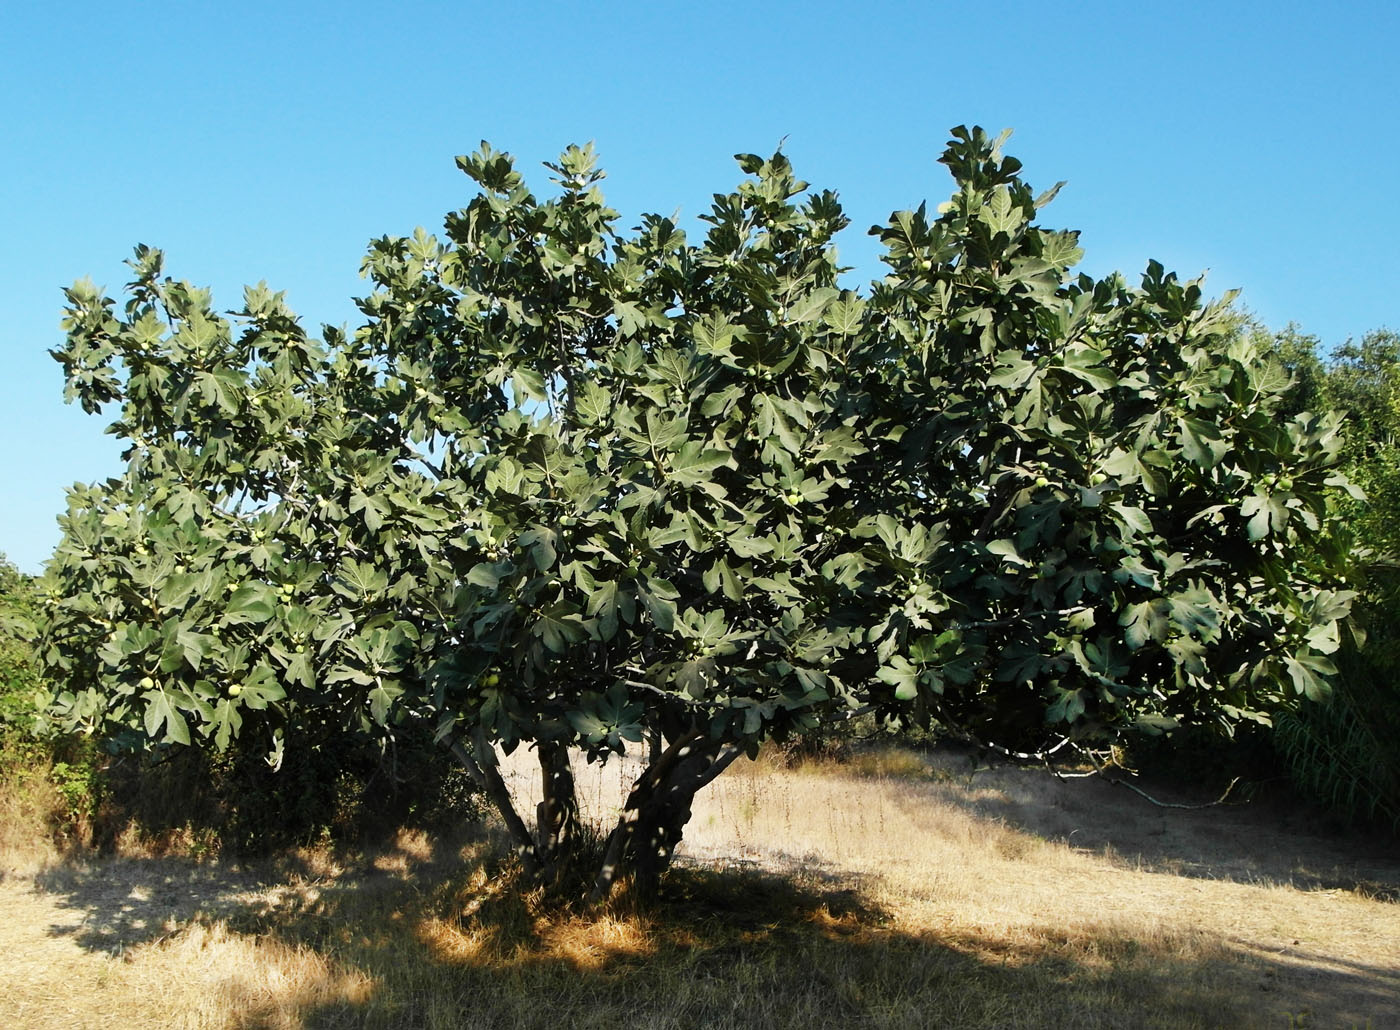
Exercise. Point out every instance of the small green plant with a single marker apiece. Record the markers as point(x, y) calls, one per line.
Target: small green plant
point(79, 785)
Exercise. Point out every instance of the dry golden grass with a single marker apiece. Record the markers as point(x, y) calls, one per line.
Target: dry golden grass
point(36, 828)
point(877, 894)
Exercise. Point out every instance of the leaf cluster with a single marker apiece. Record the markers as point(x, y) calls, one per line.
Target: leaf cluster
point(569, 484)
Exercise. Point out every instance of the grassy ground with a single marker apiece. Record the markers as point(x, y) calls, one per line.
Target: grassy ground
point(888, 893)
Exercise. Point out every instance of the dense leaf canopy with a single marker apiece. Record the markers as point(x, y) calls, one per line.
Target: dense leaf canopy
point(567, 483)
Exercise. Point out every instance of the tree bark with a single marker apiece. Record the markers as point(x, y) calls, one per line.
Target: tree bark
point(556, 816)
point(657, 810)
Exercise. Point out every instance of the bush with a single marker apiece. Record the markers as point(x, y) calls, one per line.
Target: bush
point(79, 791)
point(1345, 755)
point(19, 678)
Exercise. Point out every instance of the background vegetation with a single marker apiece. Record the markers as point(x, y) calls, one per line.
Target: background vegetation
point(1345, 755)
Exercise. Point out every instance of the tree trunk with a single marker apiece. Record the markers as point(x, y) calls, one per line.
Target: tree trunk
point(556, 816)
point(657, 810)
point(653, 743)
point(651, 826)
point(488, 778)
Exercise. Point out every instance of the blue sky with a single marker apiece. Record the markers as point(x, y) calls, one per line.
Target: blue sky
point(272, 141)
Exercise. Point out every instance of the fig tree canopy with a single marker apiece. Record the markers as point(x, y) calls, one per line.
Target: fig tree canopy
point(568, 484)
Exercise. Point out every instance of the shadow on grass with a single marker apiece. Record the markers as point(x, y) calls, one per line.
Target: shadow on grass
point(723, 949)
point(122, 902)
point(1257, 840)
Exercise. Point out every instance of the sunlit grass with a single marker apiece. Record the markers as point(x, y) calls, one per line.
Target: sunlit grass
point(870, 895)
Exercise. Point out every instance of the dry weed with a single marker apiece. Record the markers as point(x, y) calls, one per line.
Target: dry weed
point(810, 898)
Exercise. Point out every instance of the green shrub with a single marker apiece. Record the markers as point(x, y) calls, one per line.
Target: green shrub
point(330, 786)
point(19, 678)
point(1345, 755)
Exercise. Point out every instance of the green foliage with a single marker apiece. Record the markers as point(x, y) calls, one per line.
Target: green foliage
point(79, 784)
point(1296, 353)
point(566, 484)
point(27, 757)
point(19, 678)
point(1363, 384)
point(1346, 754)
point(1343, 754)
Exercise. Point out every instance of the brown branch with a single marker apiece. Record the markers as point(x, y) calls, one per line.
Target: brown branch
point(1172, 804)
point(488, 778)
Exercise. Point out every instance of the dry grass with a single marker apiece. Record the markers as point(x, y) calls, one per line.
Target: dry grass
point(35, 828)
point(885, 893)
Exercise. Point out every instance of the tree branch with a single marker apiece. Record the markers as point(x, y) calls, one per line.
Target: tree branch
point(1171, 804)
point(488, 778)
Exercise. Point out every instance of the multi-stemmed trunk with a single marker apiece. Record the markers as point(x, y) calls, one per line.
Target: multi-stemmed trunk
point(640, 846)
point(657, 810)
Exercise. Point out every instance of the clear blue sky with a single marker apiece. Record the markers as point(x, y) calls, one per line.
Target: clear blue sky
point(271, 141)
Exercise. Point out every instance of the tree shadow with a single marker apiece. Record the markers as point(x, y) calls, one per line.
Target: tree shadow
point(1259, 839)
point(121, 903)
point(722, 949)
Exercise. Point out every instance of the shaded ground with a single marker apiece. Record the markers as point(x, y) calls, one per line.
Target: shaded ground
point(997, 898)
point(1270, 839)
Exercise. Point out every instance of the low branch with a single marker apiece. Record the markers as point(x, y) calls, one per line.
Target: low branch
point(1164, 804)
point(1100, 769)
point(721, 763)
point(1026, 756)
point(1172, 804)
point(668, 695)
point(488, 778)
point(1023, 616)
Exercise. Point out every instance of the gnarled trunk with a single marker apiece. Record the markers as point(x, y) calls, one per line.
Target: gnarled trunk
point(556, 816)
point(657, 811)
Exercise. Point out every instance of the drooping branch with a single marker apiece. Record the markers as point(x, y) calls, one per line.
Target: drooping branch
point(487, 777)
